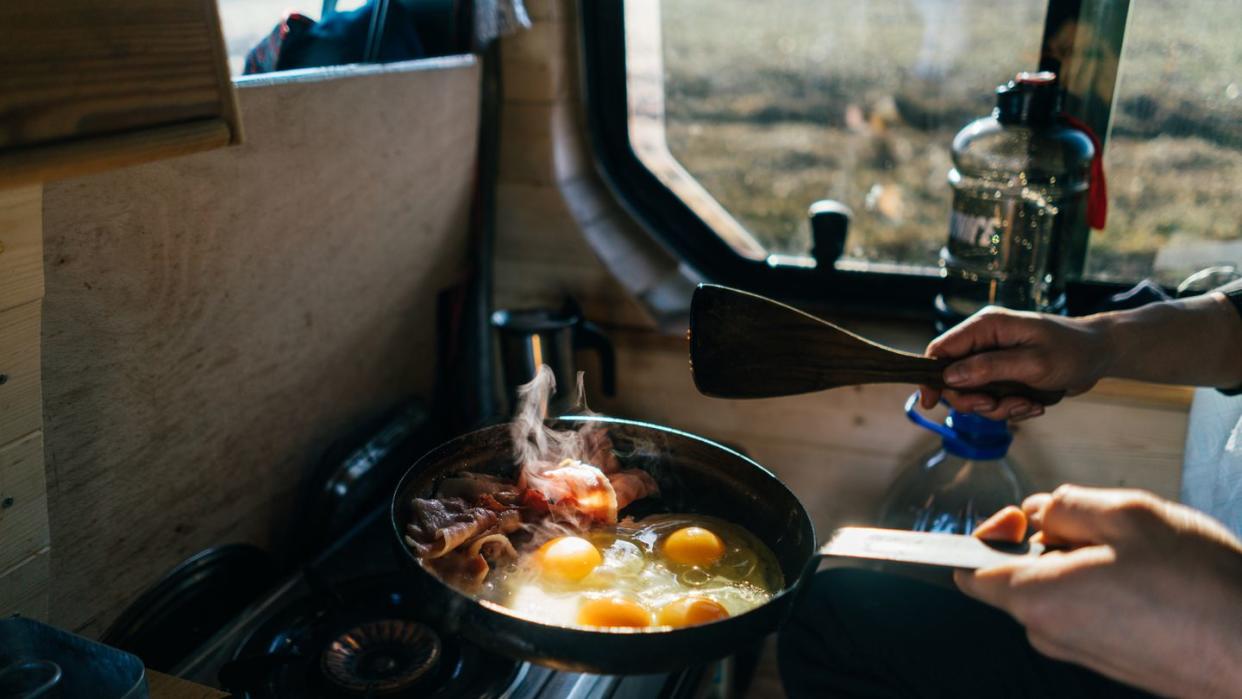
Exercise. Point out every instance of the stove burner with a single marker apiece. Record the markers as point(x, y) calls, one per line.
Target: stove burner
point(362, 637)
point(381, 657)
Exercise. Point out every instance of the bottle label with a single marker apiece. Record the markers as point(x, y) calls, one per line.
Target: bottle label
point(978, 228)
point(998, 247)
point(972, 229)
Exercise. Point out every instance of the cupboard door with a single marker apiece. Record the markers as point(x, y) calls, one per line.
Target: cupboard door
point(88, 85)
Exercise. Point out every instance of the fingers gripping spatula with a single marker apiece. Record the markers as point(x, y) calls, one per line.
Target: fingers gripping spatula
point(743, 345)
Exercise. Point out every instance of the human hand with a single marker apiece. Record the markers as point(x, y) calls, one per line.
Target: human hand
point(1149, 592)
point(1042, 351)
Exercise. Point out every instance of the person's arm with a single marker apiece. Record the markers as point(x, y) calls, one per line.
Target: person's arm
point(1148, 592)
point(1193, 341)
point(1196, 342)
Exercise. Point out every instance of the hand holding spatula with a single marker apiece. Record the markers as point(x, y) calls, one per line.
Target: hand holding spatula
point(743, 345)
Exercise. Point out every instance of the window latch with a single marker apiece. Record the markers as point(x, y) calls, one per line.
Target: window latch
point(830, 223)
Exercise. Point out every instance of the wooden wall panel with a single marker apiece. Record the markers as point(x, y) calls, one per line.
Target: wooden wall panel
point(25, 587)
point(23, 502)
point(213, 322)
point(21, 245)
point(24, 533)
point(19, 363)
point(548, 191)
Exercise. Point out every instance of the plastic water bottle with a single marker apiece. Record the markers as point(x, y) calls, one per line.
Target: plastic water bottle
point(1019, 179)
point(959, 485)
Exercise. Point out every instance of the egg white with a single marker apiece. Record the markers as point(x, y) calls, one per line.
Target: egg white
point(744, 578)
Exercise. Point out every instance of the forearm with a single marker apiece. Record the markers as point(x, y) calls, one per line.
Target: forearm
point(1194, 341)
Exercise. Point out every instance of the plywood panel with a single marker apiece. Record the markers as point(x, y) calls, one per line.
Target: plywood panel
point(213, 322)
point(21, 245)
point(534, 63)
point(23, 501)
point(20, 407)
point(24, 590)
point(83, 157)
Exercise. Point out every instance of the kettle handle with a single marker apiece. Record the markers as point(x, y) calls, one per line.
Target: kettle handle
point(912, 412)
point(589, 336)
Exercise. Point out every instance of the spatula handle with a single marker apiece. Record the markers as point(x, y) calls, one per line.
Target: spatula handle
point(925, 548)
point(933, 375)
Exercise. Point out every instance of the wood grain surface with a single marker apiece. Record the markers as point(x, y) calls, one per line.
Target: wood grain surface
point(212, 322)
point(21, 412)
point(77, 68)
point(24, 532)
point(55, 161)
point(21, 245)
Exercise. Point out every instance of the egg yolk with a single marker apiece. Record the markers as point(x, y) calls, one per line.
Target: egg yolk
point(613, 611)
point(569, 558)
point(691, 611)
point(693, 546)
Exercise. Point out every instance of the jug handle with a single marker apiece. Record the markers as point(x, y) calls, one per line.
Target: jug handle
point(589, 336)
point(912, 412)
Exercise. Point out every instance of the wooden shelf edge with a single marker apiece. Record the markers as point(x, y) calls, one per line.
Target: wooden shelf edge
point(88, 156)
point(1129, 391)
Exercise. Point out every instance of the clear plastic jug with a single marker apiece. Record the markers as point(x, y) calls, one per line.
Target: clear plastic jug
point(959, 485)
point(1020, 178)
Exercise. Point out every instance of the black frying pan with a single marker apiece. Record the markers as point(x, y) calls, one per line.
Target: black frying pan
point(695, 475)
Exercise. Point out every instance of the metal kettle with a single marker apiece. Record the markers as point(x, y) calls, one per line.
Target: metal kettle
point(531, 337)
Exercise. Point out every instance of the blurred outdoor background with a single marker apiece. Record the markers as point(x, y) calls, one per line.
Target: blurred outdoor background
point(774, 104)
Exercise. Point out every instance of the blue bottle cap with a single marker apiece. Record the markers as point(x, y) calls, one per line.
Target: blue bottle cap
point(965, 434)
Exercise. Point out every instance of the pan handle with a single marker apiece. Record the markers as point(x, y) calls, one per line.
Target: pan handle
point(924, 548)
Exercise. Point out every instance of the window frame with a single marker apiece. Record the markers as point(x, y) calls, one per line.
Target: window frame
point(665, 216)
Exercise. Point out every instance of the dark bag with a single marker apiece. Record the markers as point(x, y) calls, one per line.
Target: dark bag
point(380, 31)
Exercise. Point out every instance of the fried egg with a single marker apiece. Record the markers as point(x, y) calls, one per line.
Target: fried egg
point(663, 571)
point(568, 558)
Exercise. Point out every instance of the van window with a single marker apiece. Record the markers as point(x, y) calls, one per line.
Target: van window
point(751, 111)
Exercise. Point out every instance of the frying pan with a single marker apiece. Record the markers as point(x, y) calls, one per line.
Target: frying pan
point(695, 475)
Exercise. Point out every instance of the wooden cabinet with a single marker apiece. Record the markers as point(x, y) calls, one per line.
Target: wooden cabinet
point(88, 85)
point(85, 85)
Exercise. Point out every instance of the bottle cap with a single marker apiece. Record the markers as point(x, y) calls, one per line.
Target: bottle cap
point(965, 434)
point(977, 437)
point(1030, 98)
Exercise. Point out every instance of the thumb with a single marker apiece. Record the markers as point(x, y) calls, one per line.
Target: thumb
point(1079, 515)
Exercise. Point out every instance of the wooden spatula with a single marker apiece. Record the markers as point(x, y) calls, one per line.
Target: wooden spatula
point(743, 345)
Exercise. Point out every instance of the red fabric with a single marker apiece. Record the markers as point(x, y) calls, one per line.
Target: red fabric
point(1097, 189)
point(265, 56)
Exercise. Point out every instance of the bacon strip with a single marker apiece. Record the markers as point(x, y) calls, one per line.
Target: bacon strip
point(441, 525)
point(469, 565)
point(632, 484)
point(471, 486)
point(598, 450)
point(466, 525)
point(574, 490)
point(498, 546)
